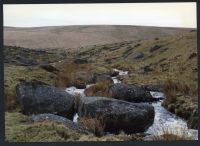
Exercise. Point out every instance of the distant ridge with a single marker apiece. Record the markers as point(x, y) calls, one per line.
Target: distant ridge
point(78, 36)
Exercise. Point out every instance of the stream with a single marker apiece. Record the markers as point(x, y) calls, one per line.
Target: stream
point(163, 120)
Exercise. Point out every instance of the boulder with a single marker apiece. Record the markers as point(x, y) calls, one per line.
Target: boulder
point(37, 97)
point(192, 55)
point(131, 93)
point(113, 49)
point(20, 61)
point(49, 68)
point(113, 73)
point(156, 88)
point(128, 51)
point(138, 55)
point(80, 61)
point(118, 115)
point(59, 119)
point(147, 69)
point(154, 48)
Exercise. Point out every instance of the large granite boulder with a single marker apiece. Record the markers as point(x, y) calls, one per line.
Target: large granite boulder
point(137, 55)
point(37, 97)
point(80, 61)
point(131, 93)
point(49, 68)
point(118, 115)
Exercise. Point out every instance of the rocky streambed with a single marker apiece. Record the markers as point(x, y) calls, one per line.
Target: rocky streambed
point(163, 119)
point(130, 108)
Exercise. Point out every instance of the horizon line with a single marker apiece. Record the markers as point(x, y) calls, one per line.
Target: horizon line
point(42, 26)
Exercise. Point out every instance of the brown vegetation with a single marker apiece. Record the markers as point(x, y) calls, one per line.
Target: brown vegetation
point(78, 36)
point(96, 125)
point(99, 89)
point(69, 74)
point(171, 134)
point(172, 88)
point(10, 100)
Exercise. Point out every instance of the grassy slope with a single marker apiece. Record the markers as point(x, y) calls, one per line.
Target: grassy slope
point(180, 68)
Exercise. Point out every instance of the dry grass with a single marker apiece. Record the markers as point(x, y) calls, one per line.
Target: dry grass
point(77, 101)
point(171, 133)
point(99, 89)
point(64, 78)
point(172, 88)
point(96, 125)
point(74, 74)
point(10, 99)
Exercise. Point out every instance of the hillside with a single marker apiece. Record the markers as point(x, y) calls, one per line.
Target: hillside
point(78, 36)
point(165, 61)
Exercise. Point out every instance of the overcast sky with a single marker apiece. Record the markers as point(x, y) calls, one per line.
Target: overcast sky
point(147, 14)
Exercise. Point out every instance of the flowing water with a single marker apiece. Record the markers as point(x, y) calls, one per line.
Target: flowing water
point(163, 120)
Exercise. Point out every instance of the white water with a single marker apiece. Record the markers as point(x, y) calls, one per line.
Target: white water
point(167, 121)
point(163, 118)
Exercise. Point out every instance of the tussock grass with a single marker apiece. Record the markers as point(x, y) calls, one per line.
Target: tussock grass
point(171, 133)
point(77, 101)
point(74, 74)
point(99, 89)
point(171, 88)
point(96, 125)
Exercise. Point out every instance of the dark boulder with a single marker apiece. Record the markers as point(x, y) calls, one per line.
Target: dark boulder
point(137, 45)
point(192, 55)
point(113, 73)
point(154, 48)
point(80, 61)
point(131, 93)
point(163, 49)
point(147, 69)
point(137, 55)
point(59, 119)
point(49, 68)
point(118, 115)
point(156, 88)
point(113, 49)
point(128, 51)
point(37, 97)
point(20, 61)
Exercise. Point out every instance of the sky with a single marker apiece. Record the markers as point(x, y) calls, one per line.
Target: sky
point(145, 14)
